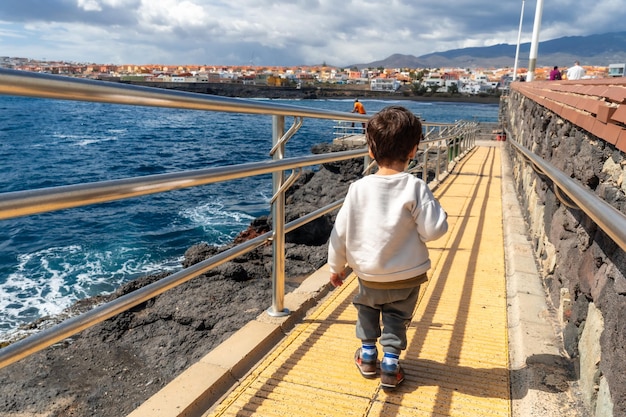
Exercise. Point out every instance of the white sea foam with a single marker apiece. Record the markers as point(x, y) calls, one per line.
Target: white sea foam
point(66, 136)
point(85, 140)
point(218, 221)
point(47, 282)
point(90, 141)
point(36, 288)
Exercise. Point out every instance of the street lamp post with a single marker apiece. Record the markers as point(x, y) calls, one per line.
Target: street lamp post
point(519, 37)
point(534, 45)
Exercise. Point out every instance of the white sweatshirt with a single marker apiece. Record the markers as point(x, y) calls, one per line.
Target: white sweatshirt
point(382, 226)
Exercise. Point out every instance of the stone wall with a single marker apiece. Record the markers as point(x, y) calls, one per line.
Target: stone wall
point(583, 269)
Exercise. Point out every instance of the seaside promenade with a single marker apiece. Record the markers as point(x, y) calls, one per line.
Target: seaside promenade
point(480, 337)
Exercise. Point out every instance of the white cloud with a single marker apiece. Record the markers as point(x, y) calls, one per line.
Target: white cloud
point(90, 5)
point(280, 32)
point(168, 15)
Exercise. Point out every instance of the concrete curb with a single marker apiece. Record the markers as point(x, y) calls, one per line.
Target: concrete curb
point(535, 353)
point(205, 382)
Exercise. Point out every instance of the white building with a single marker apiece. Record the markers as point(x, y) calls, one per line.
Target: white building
point(617, 70)
point(384, 84)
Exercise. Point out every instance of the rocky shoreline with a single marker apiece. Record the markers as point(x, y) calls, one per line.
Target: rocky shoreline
point(110, 369)
point(315, 92)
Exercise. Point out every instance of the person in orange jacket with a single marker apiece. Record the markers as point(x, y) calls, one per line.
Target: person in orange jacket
point(358, 108)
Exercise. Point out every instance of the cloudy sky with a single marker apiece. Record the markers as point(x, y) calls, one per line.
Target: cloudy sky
point(281, 32)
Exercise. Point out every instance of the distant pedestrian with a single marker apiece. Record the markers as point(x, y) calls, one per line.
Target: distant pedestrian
point(555, 74)
point(358, 108)
point(576, 72)
point(380, 232)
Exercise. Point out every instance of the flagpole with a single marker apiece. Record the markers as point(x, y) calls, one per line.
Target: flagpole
point(534, 45)
point(519, 37)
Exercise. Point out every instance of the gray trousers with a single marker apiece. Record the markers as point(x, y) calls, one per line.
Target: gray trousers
point(396, 308)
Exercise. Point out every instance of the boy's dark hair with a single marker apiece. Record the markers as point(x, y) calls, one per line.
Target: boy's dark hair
point(392, 133)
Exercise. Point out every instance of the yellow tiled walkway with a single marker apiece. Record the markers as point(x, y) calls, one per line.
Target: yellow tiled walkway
point(456, 363)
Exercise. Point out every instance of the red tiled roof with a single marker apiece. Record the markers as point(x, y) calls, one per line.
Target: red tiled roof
point(596, 105)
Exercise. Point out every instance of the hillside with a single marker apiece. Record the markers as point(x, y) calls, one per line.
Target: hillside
point(589, 50)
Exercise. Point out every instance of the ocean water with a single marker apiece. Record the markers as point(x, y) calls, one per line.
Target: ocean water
point(49, 261)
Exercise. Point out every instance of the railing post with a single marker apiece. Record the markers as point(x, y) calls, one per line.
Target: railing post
point(438, 163)
point(425, 165)
point(278, 224)
point(367, 160)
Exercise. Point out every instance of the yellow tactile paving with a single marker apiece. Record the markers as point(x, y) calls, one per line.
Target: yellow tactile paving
point(456, 363)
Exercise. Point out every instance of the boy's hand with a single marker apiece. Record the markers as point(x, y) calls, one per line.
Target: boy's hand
point(337, 279)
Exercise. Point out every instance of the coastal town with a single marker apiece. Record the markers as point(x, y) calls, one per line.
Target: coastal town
point(470, 81)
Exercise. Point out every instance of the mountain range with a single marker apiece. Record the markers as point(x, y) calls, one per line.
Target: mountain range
point(597, 50)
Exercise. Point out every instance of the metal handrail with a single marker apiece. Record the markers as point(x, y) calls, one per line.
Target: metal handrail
point(608, 218)
point(22, 203)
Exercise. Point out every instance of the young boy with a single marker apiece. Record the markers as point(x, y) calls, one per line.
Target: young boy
point(380, 232)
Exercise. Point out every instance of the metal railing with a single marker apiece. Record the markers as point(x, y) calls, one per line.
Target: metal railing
point(608, 218)
point(434, 154)
point(23, 203)
point(343, 128)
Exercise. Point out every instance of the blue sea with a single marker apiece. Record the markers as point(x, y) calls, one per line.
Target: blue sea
point(49, 261)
